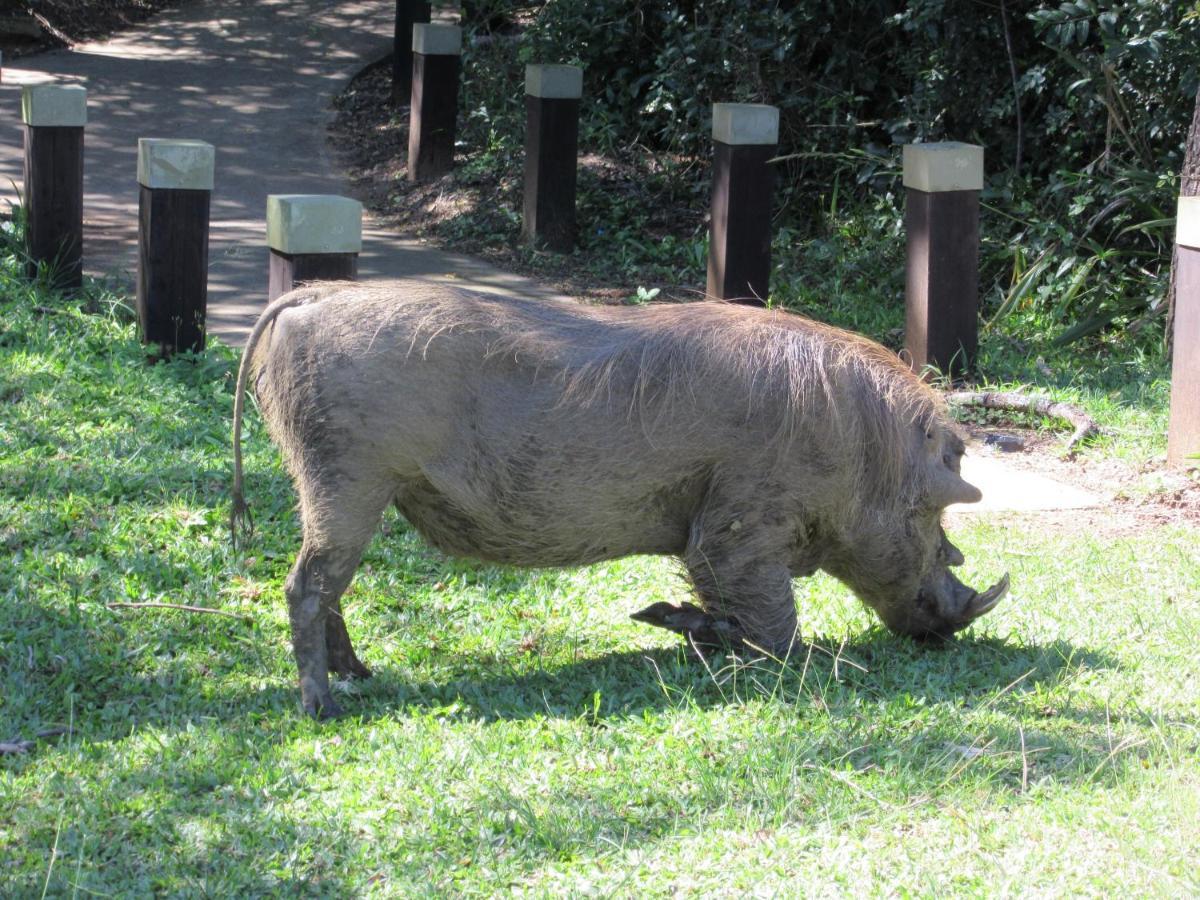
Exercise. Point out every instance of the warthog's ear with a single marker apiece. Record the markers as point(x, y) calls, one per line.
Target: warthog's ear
point(947, 487)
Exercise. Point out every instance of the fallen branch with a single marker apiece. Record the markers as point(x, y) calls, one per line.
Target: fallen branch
point(181, 607)
point(1085, 426)
point(51, 30)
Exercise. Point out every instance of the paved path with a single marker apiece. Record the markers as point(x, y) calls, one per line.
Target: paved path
point(256, 80)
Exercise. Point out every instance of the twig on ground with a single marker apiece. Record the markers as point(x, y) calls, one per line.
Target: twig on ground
point(1085, 425)
point(17, 746)
point(193, 609)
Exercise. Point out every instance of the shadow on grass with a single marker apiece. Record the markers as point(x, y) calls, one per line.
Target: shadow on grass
point(629, 683)
point(874, 670)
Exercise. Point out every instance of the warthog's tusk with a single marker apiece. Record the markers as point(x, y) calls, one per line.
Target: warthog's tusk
point(982, 603)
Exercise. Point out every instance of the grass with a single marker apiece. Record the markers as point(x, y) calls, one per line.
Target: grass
point(521, 734)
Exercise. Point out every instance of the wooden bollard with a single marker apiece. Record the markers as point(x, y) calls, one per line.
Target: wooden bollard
point(1183, 434)
point(54, 116)
point(312, 237)
point(552, 96)
point(408, 14)
point(175, 180)
point(745, 138)
point(943, 182)
point(434, 114)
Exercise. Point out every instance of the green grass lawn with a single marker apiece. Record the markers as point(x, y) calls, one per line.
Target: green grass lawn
point(521, 734)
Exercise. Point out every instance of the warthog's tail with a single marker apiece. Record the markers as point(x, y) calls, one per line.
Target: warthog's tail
point(239, 512)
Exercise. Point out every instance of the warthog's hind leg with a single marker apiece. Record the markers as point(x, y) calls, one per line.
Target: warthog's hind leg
point(339, 519)
point(316, 582)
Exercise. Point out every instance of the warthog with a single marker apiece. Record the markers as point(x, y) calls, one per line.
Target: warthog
point(757, 446)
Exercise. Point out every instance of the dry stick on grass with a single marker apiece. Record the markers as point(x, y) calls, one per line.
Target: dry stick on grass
point(1085, 426)
point(179, 606)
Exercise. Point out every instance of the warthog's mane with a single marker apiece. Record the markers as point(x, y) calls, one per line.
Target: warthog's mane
point(797, 376)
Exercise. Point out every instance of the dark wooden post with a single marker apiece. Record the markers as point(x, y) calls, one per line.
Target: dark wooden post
point(436, 52)
point(1183, 435)
point(312, 237)
point(552, 96)
point(943, 182)
point(745, 138)
point(408, 14)
point(54, 116)
point(175, 180)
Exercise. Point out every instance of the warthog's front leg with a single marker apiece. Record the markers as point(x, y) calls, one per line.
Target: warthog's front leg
point(737, 562)
point(699, 627)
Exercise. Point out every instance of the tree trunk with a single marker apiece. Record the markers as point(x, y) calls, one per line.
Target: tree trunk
point(1189, 186)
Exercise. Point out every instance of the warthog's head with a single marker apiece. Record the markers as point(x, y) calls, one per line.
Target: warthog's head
point(900, 565)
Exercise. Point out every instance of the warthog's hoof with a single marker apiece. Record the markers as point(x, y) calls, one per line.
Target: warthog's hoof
point(700, 628)
point(316, 699)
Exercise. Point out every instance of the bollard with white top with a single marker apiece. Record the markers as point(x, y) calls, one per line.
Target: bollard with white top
point(745, 139)
point(434, 114)
point(1183, 435)
point(941, 219)
point(311, 237)
point(408, 14)
point(175, 182)
point(552, 95)
point(54, 117)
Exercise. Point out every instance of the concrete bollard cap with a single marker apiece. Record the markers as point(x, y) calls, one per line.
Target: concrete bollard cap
point(745, 123)
point(437, 40)
point(554, 82)
point(313, 223)
point(54, 105)
point(175, 164)
point(947, 166)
